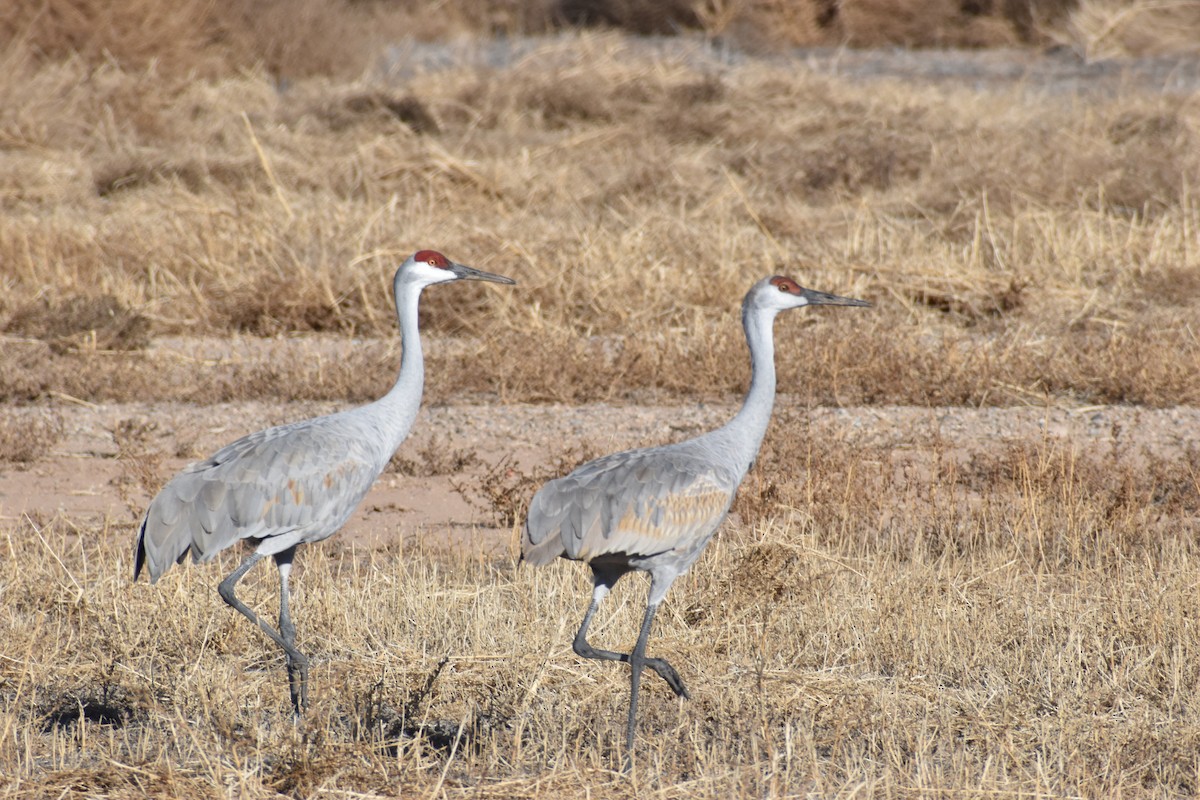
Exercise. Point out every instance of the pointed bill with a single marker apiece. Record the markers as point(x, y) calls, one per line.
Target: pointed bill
point(463, 272)
point(816, 298)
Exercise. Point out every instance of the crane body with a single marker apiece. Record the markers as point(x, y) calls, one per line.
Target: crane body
point(655, 509)
point(296, 483)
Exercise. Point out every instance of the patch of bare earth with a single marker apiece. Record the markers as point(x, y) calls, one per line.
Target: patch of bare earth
point(111, 457)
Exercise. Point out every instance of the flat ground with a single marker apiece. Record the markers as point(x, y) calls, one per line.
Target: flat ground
point(443, 500)
point(965, 563)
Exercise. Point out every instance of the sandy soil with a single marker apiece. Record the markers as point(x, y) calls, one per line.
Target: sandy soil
point(83, 478)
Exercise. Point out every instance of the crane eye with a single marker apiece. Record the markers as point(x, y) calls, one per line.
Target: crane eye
point(783, 287)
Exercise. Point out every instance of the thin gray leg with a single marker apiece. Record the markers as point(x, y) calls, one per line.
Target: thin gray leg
point(297, 671)
point(636, 661)
point(226, 590)
point(603, 581)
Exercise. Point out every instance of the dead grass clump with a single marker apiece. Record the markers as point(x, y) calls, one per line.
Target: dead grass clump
point(762, 577)
point(505, 489)
point(827, 153)
point(693, 112)
point(551, 102)
point(25, 439)
point(865, 161)
point(1120, 366)
point(1098, 29)
point(434, 457)
point(29, 372)
point(942, 23)
point(824, 362)
point(973, 304)
point(140, 459)
point(1139, 161)
point(363, 376)
point(271, 306)
point(363, 106)
point(860, 23)
point(129, 172)
point(81, 322)
point(1170, 287)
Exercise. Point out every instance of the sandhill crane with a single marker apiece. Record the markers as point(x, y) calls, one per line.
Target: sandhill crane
point(295, 483)
point(655, 509)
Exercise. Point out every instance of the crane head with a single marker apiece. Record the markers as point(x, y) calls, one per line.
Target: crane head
point(780, 292)
point(430, 266)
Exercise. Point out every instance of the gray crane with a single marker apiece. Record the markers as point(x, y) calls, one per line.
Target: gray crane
point(655, 509)
point(296, 483)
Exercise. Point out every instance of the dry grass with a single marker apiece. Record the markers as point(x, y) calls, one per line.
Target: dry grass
point(1017, 246)
point(26, 438)
point(298, 39)
point(1106, 29)
point(908, 621)
point(295, 39)
point(903, 621)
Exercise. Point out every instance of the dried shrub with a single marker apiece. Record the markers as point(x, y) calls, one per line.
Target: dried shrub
point(434, 457)
point(140, 459)
point(505, 489)
point(25, 439)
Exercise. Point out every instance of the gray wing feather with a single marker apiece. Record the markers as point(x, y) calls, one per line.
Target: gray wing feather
point(640, 502)
point(302, 479)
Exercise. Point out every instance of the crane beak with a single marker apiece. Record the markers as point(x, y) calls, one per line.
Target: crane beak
point(816, 298)
point(463, 272)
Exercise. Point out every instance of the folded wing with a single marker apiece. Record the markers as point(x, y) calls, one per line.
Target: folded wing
point(636, 503)
point(296, 481)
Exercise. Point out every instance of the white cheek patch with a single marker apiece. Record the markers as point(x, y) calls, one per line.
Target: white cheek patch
point(433, 274)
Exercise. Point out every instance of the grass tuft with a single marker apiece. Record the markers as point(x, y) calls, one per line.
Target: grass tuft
point(26, 438)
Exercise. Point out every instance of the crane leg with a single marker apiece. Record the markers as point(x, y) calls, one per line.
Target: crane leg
point(297, 671)
point(226, 590)
point(603, 581)
point(637, 660)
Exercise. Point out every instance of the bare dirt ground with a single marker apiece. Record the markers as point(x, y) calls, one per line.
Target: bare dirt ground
point(86, 476)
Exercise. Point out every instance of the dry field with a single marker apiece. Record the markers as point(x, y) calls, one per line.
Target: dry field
point(965, 565)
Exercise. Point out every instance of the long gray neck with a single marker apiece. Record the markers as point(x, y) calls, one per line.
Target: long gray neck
point(743, 434)
point(396, 410)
